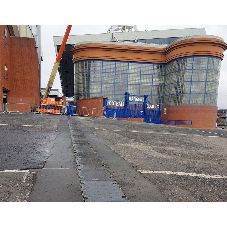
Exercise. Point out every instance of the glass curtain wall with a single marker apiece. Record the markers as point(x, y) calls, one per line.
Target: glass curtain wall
point(184, 81)
point(192, 81)
point(95, 78)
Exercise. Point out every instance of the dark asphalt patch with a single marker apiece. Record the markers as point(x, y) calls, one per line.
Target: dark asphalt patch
point(26, 147)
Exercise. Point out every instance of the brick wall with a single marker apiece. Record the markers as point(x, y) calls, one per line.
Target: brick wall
point(90, 107)
point(5, 44)
point(203, 117)
point(24, 76)
point(21, 80)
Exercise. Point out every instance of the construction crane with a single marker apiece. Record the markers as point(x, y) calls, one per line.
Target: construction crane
point(57, 63)
point(50, 105)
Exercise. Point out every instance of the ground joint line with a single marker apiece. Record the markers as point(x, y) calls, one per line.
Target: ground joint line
point(184, 174)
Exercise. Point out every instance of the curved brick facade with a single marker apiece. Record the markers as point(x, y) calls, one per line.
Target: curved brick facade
point(119, 52)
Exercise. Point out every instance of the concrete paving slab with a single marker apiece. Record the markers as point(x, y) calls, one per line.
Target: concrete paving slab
point(94, 174)
point(102, 191)
point(59, 180)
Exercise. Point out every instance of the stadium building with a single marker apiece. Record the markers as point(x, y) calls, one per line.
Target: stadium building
point(176, 68)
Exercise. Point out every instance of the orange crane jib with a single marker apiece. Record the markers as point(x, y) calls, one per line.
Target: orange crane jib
point(57, 63)
point(58, 59)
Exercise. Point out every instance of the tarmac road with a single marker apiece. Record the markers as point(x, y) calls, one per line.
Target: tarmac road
point(184, 164)
point(36, 159)
point(60, 158)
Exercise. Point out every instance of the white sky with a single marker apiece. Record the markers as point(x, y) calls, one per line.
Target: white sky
point(49, 56)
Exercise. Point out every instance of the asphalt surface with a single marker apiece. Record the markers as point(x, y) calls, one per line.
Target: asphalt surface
point(36, 159)
point(60, 158)
point(58, 181)
point(134, 186)
point(184, 164)
point(26, 140)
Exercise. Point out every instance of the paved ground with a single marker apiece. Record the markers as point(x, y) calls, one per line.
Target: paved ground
point(184, 164)
point(36, 156)
point(60, 158)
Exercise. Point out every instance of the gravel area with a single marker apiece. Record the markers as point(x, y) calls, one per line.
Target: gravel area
point(175, 151)
point(16, 186)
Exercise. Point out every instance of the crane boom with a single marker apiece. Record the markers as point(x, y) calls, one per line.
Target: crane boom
point(57, 63)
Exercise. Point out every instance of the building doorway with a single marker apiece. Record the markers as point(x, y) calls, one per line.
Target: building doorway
point(5, 108)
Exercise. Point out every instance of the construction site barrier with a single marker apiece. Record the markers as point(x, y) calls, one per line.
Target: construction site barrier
point(51, 109)
point(71, 110)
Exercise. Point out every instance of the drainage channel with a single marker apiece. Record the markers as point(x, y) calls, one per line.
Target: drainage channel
point(96, 182)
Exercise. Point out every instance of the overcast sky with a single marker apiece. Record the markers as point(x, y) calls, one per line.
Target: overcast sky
point(49, 56)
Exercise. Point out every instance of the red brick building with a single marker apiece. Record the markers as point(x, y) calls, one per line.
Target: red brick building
point(19, 70)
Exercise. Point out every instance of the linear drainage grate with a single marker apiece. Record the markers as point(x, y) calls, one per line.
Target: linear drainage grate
point(96, 182)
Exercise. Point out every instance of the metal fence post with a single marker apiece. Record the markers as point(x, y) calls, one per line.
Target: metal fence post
point(126, 106)
point(145, 108)
point(105, 107)
point(160, 114)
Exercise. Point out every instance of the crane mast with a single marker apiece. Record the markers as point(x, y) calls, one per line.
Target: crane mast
point(57, 63)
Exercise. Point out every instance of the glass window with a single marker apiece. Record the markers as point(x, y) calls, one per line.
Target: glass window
point(212, 87)
point(199, 75)
point(145, 90)
point(108, 77)
point(146, 79)
point(198, 87)
point(95, 88)
point(133, 89)
point(120, 88)
point(146, 68)
point(212, 75)
point(183, 99)
point(133, 78)
point(108, 66)
point(121, 78)
point(200, 63)
point(95, 77)
point(185, 75)
point(197, 99)
point(184, 87)
point(214, 63)
point(211, 99)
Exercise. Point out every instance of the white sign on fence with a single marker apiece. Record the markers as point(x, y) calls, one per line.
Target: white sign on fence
point(136, 99)
point(115, 103)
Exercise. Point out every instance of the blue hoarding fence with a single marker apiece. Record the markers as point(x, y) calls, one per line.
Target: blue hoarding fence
point(71, 110)
point(138, 108)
